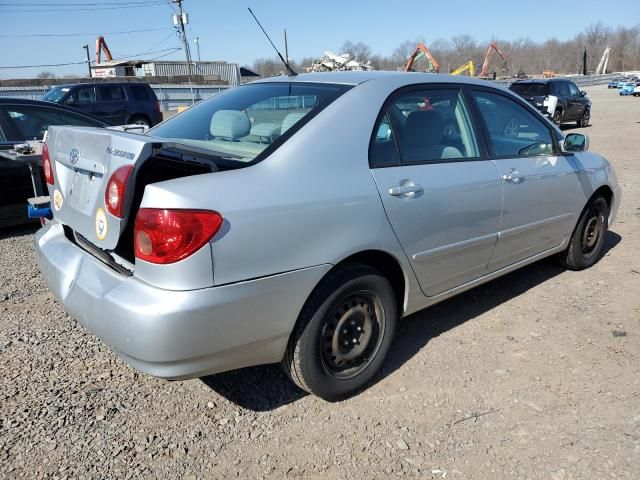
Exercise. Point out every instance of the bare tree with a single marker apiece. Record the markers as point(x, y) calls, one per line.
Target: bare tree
point(46, 75)
point(358, 51)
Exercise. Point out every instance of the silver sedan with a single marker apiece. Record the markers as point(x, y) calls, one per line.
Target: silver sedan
point(298, 219)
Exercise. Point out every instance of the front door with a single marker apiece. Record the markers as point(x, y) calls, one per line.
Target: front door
point(442, 199)
point(577, 102)
point(540, 185)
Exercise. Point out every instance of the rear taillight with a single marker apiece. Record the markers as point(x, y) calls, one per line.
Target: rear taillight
point(116, 187)
point(167, 236)
point(46, 164)
point(158, 105)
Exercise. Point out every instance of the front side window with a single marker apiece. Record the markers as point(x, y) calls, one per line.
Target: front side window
point(563, 89)
point(244, 122)
point(84, 95)
point(574, 90)
point(32, 122)
point(430, 125)
point(513, 130)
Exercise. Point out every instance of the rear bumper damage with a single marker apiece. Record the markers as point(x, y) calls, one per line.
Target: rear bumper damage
point(175, 334)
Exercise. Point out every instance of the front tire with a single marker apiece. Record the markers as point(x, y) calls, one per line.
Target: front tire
point(587, 241)
point(584, 120)
point(343, 334)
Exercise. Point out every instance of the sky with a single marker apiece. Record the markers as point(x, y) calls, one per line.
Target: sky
point(227, 32)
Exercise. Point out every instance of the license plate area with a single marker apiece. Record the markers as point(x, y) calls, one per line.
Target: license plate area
point(83, 190)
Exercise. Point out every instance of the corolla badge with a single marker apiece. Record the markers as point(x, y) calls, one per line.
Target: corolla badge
point(74, 156)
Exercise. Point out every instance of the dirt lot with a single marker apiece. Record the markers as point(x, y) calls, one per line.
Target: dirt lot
point(533, 376)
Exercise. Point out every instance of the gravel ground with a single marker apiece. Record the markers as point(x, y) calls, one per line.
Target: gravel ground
point(534, 375)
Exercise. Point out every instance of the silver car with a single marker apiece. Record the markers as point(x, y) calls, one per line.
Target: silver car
point(297, 219)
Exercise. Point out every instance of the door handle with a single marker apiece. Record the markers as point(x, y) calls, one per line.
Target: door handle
point(406, 191)
point(512, 176)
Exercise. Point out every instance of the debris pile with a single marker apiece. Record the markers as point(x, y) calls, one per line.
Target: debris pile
point(335, 63)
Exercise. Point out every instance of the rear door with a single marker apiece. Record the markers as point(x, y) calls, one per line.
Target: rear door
point(111, 104)
point(441, 195)
point(540, 185)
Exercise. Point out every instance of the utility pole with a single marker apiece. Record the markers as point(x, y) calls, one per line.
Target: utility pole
point(180, 20)
point(86, 47)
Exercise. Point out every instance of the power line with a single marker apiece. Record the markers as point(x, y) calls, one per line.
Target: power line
point(83, 34)
point(76, 9)
point(75, 4)
point(45, 65)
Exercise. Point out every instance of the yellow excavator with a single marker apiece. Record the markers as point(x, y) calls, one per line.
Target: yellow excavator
point(464, 67)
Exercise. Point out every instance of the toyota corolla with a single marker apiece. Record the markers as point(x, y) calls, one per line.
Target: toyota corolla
point(298, 219)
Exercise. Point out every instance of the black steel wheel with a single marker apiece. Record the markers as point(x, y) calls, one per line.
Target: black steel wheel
point(585, 246)
point(343, 334)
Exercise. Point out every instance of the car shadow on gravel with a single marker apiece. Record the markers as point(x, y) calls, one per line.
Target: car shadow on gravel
point(19, 231)
point(415, 331)
point(266, 387)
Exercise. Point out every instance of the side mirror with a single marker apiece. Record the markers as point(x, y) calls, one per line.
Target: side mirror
point(575, 142)
point(583, 93)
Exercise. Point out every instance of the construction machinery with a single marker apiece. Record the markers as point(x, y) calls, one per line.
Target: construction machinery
point(468, 66)
point(101, 46)
point(484, 73)
point(422, 51)
point(604, 61)
point(548, 74)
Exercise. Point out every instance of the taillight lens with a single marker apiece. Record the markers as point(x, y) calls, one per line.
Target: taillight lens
point(46, 164)
point(116, 187)
point(167, 236)
point(158, 105)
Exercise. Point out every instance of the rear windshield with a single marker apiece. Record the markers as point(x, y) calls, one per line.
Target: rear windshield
point(246, 123)
point(530, 89)
point(55, 94)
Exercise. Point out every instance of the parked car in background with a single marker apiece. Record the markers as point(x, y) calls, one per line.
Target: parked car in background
point(559, 99)
point(22, 120)
point(297, 219)
point(116, 103)
point(613, 84)
point(628, 88)
point(636, 90)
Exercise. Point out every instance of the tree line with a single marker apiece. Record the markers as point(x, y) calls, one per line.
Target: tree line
point(524, 56)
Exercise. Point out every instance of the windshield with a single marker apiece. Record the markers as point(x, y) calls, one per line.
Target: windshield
point(243, 122)
point(55, 94)
point(530, 89)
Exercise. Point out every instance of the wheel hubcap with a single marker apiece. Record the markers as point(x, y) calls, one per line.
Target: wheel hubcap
point(351, 335)
point(592, 232)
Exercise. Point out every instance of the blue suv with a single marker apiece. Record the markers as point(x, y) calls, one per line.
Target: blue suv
point(114, 103)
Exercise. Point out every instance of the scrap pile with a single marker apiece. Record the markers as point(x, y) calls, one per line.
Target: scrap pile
point(335, 63)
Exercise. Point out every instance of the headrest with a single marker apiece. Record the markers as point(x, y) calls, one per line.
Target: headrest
point(424, 128)
point(230, 124)
point(290, 120)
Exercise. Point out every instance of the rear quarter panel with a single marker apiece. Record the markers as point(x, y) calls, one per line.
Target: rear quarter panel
point(312, 202)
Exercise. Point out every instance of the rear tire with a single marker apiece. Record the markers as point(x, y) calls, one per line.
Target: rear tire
point(587, 240)
point(343, 334)
point(557, 117)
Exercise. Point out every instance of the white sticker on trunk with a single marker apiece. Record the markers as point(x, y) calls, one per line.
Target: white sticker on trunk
point(57, 200)
point(101, 224)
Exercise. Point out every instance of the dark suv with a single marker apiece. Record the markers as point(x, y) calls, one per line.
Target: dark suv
point(115, 103)
point(561, 100)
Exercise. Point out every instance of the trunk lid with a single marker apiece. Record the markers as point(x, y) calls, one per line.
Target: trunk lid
point(83, 160)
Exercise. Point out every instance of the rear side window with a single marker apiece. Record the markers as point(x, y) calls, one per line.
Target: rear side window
point(246, 123)
point(530, 89)
point(110, 93)
point(431, 125)
point(513, 130)
point(139, 92)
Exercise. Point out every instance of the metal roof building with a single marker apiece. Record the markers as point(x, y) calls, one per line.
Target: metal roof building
point(228, 72)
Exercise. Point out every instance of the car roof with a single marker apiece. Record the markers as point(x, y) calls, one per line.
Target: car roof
point(543, 80)
point(356, 78)
point(97, 84)
point(42, 103)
